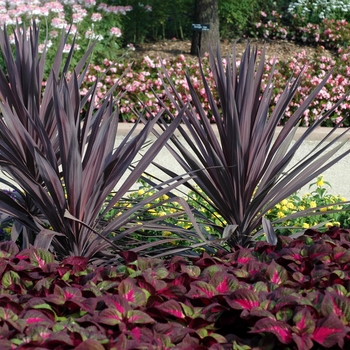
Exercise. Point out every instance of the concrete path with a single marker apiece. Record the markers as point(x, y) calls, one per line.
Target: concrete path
point(338, 175)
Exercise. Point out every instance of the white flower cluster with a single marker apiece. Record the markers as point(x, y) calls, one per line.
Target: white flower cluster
point(322, 8)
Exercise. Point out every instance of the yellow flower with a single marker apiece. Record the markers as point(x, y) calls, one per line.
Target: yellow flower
point(336, 223)
point(284, 202)
point(323, 209)
point(164, 197)
point(330, 208)
point(278, 206)
point(305, 225)
point(162, 213)
point(284, 208)
point(140, 192)
point(329, 224)
point(313, 204)
point(280, 214)
point(301, 207)
point(320, 181)
point(343, 199)
point(166, 233)
point(290, 205)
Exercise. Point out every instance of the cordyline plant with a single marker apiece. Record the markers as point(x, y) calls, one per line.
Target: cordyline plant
point(243, 170)
point(59, 149)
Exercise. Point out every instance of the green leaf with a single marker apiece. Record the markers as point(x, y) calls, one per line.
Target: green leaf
point(10, 278)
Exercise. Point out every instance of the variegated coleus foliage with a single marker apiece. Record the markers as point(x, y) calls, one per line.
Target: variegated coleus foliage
point(291, 296)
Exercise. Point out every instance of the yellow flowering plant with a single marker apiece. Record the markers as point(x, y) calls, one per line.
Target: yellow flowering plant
point(326, 216)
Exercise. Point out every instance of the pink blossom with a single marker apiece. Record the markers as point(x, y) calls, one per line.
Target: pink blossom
point(116, 32)
point(96, 17)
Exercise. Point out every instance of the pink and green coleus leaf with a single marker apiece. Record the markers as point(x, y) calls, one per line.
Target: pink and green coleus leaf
point(303, 322)
point(40, 257)
point(280, 329)
point(224, 283)
point(192, 270)
point(7, 314)
point(329, 331)
point(276, 273)
point(243, 299)
point(137, 316)
point(111, 317)
point(339, 305)
point(10, 279)
point(242, 256)
point(132, 293)
point(201, 289)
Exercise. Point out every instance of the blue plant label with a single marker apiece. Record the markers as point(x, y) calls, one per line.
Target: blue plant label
point(200, 27)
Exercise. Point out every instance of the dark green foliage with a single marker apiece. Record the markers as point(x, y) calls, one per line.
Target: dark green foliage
point(157, 20)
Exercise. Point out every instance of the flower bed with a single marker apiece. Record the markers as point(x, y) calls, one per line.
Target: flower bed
point(290, 296)
point(139, 81)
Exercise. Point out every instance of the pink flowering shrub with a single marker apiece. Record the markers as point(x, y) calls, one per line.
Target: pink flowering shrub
point(89, 20)
point(332, 34)
point(141, 83)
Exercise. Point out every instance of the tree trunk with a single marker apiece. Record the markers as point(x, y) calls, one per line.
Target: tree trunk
point(206, 12)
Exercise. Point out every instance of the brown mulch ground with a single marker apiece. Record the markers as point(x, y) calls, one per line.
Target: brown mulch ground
point(171, 48)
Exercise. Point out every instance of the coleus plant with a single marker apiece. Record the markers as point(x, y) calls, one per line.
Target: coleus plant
point(59, 150)
point(290, 296)
point(242, 170)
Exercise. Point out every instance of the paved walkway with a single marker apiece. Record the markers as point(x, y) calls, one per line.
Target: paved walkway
point(338, 175)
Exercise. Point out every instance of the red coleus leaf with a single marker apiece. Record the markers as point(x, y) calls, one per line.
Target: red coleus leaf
point(243, 299)
point(90, 344)
point(319, 252)
point(303, 342)
point(329, 331)
point(172, 307)
point(136, 316)
point(79, 263)
point(291, 254)
point(136, 333)
point(341, 255)
point(201, 289)
point(117, 302)
point(275, 273)
point(36, 316)
point(280, 329)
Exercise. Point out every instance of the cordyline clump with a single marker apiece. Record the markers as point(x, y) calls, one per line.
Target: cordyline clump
point(59, 152)
point(291, 296)
point(241, 169)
